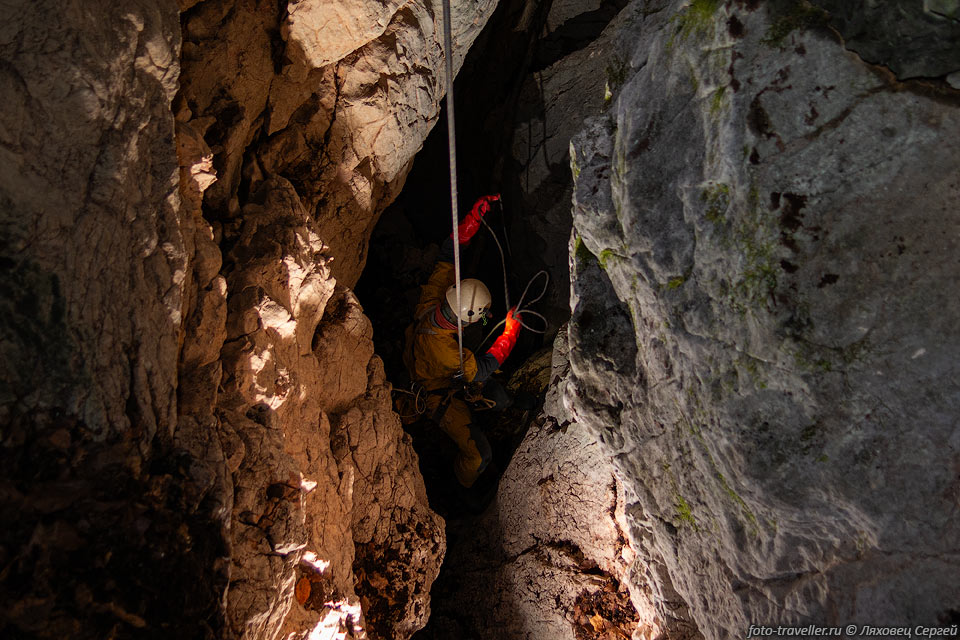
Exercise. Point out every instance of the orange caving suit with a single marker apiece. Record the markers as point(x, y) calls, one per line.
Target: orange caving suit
point(432, 357)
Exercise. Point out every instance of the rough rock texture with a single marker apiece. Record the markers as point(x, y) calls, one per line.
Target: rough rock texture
point(325, 480)
point(537, 70)
point(313, 112)
point(336, 97)
point(548, 559)
point(763, 337)
point(911, 38)
point(196, 439)
point(105, 530)
point(565, 86)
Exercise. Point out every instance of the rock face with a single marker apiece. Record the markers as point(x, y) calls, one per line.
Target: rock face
point(573, 63)
point(335, 97)
point(195, 435)
point(913, 39)
point(548, 559)
point(762, 335)
point(326, 482)
point(104, 528)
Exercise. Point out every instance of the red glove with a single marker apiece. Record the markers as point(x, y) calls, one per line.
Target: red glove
point(503, 345)
point(471, 223)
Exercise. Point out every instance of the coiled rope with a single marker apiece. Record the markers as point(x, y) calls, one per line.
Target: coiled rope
point(522, 309)
point(452, 147)
point(419, 401)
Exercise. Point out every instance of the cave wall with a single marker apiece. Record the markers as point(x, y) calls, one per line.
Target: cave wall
point(93, 261)
point(338, 106)
point(763, 334)
point(549, 558)
point(197, 438)
point(571, 64)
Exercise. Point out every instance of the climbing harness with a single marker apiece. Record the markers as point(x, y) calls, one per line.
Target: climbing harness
point(452, 148)
point(473, 394)
point(441, 409)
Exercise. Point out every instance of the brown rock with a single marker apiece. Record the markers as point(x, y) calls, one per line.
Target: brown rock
point(97, 470)
point(327, 464)
point(336, 98)
point(326, 31)
point(170, 407)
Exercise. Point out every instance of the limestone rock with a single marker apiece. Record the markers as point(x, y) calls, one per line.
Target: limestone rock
point(204, 306)
point(576, 69)
point(169, 406)
point(913, 39)
point(326, 31)
point(335, 97)
point(761, 335)
point(549, 559)
point(102, 501)
point(400, 542)
point(328, 496)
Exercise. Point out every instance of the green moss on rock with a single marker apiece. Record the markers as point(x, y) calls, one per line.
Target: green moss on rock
point(716, 101)
point(797, 14)
point(684, 512)
point(697, 18)
point(676, 283)
point(716, 199)
point(581, 254)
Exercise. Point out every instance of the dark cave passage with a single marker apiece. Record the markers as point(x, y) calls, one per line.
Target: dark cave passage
point(493, 86)
point(491, 89)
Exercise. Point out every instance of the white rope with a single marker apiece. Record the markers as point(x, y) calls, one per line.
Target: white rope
point(452, 145)
point(452, 140)
point(506, 289)
point(523, 310)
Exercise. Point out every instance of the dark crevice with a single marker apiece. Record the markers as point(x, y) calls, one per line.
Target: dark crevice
point(404, 246)
point(575, 34)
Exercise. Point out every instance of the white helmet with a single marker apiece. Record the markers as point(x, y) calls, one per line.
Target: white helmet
point(474, 300)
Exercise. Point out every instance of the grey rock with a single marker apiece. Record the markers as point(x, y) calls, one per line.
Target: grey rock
point(913, 39)
point(761, 335)
point(548, 560)
point(552, 103)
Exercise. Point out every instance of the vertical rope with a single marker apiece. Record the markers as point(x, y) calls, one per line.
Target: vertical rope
point(452, 143)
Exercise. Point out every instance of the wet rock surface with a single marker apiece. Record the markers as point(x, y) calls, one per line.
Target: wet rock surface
point(764, 224)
